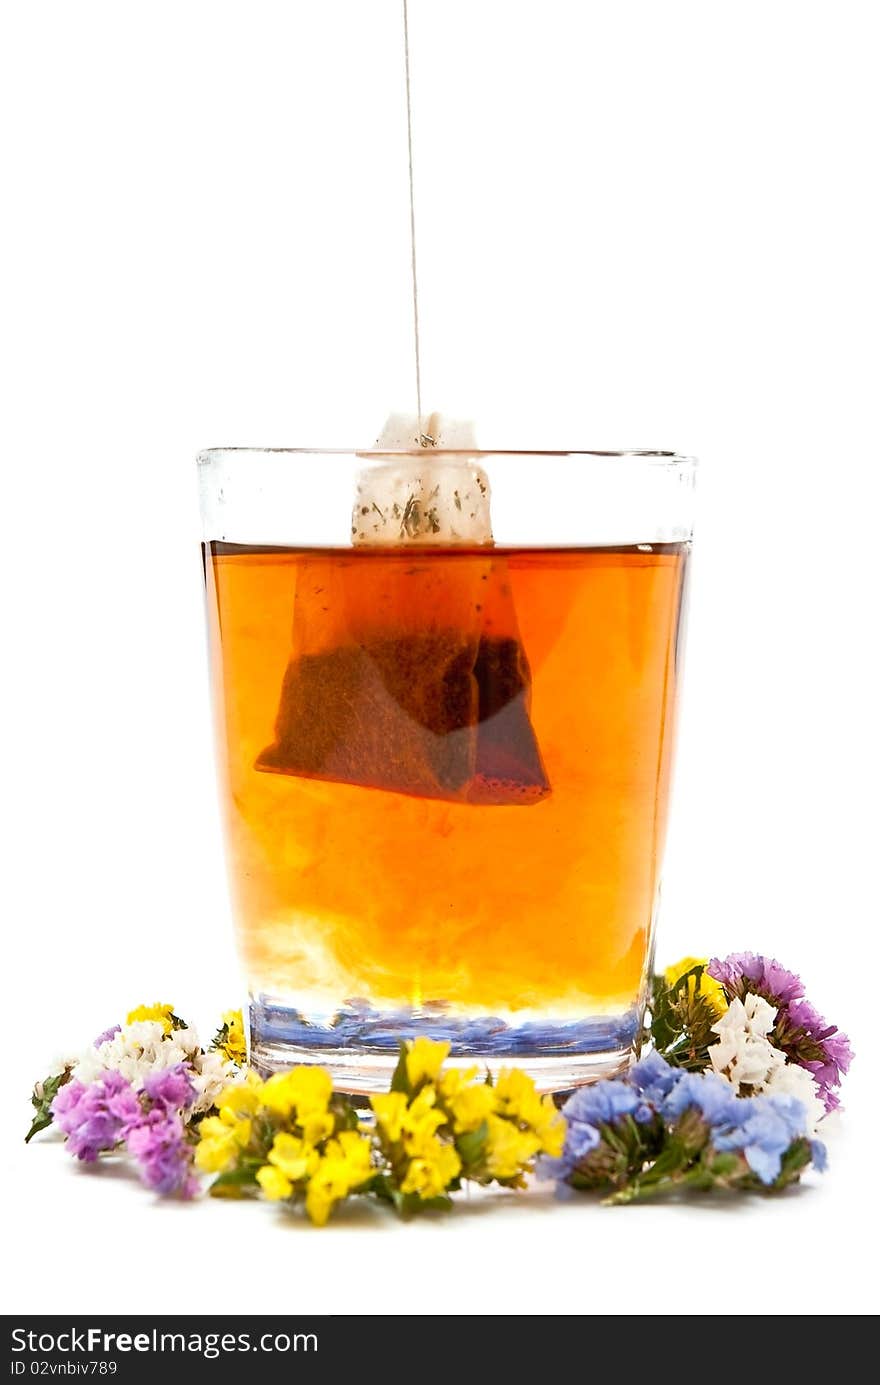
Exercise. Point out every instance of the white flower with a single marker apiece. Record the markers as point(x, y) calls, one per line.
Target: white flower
point(745, 1057)
point(136, 1050)
point(211, 1073)
point(143, 1047)
point(790, 1079)
point(186, 1040)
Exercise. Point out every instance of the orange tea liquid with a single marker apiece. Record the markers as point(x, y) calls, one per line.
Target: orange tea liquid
point(357, 903)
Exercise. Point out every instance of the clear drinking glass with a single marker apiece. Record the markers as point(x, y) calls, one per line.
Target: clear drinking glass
point(446, 689)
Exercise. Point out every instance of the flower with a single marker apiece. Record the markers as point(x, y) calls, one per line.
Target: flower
point(230, 1039)
point(163, 1014)
point(799, 1031)
point(518, 1099)
point(652, 1077)
point(145, 1046)
point(302, 1095)
point(424, 1059)
point(276, 1185)
point(345, 1167)
point(163, 1153)
point(743, 972)
point(471, 1105)
point(763, 1128)
point(429, 1174)
point(509, 1148)
point(821, 1048)
point(171, 1089)
point(710, 1096)
point(95, 1117)
point(390, 1109)
point(294, 1158)
point(789, 1079)
point(107, 1035)
point(421, 1121)
point(223, 1137)
point(212, 1073)
point(601, 1103)
point(744, 1055)
point(704, 983)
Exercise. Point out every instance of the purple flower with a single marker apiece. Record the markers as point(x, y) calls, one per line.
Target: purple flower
point(171, 1090)
point(762, 1128)
point(820, 1047)
point(95, 1117)
point(107, 1035)
point(803, 1035)
point(743, 972)
point(163, 1153)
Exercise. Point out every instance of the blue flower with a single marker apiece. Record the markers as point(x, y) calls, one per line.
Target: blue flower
point(763, 1128)
point(819, 1155)
point(652, 1077)
point(601, 1103)
point(714, 1098)
point(581, 1139)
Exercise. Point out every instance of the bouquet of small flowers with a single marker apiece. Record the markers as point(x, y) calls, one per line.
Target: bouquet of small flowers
point(740, 1073)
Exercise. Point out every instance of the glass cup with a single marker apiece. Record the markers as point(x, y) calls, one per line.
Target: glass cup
point(446, 688)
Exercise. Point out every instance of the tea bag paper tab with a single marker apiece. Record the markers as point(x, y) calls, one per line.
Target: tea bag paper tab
point(427, 497)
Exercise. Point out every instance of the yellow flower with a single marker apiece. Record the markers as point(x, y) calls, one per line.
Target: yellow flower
point(162, 1013)
point(509, 1149)
point(424, 1059)
point(274, 1184)
point(709, 988)
point(431, 1172)
point(389, 1110)
point(518, 1099)
point(221, 1138)
point(304, 1094)
point(233, 1046)
point(454, 1079)
point(470, 1106)
point(346, 1165)
point(678, 969)
point(412, 1122)
point(241, 1098)
point(293, 1157)
point(421, 1121)
point(550, 1130)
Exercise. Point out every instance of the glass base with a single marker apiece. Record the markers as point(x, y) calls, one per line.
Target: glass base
point(359, 1045)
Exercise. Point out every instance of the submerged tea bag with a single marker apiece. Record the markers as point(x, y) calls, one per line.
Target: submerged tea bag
point(407, 672)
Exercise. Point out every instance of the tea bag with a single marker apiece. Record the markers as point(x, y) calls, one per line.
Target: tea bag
point(407, 672)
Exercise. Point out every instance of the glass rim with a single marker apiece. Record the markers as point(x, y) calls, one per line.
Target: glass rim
point(653, 455)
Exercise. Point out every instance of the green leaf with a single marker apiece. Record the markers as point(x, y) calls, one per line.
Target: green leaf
point(471, 1145)
point(723, 1165)
point(410, 1204)
point(42, 1096)
point(681, 1020)
point(239, 1182)
point(400, 1080)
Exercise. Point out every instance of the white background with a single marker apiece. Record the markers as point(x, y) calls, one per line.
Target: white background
point(640, 225)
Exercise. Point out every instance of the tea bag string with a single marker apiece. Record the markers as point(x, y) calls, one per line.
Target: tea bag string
point(424, 439)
